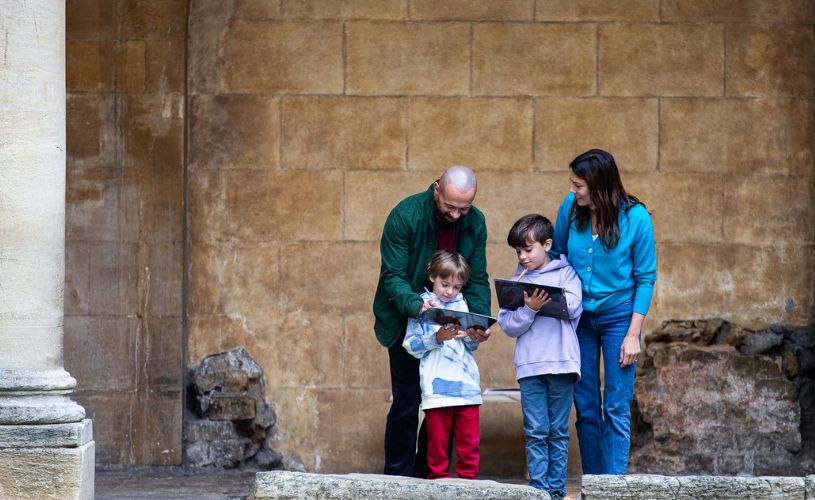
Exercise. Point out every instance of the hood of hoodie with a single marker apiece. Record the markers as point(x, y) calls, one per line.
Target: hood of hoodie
point(553, 266)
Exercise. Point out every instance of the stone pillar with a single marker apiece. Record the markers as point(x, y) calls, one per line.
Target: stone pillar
point(46, 446)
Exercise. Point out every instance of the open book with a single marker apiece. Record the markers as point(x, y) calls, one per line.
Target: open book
point(465, 320)
point(511, 296)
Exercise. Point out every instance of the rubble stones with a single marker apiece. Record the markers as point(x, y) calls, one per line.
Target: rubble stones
point(231, 421)
point(712, 397)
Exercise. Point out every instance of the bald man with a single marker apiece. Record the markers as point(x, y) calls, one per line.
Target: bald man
point(441, 218)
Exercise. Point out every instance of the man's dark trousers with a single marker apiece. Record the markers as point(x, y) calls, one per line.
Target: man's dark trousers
point(403, 418)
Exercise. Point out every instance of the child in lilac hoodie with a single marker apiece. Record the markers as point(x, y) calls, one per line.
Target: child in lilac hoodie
point(547, 355)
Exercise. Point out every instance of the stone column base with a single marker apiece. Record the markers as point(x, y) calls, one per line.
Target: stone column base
point(47, 469)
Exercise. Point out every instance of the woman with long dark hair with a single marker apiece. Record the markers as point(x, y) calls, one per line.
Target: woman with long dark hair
point(608, 237)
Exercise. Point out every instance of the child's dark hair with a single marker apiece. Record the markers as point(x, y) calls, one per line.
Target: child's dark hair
point(445, 264)
point(534, 225)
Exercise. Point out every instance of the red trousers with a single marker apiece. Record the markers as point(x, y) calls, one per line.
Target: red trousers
point(464, 422)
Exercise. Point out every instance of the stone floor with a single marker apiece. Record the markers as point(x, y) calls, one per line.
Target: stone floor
point(173, 483)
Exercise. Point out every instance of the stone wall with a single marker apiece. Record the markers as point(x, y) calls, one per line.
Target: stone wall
point(124, 228)
point(712, 397)
point(309, 119)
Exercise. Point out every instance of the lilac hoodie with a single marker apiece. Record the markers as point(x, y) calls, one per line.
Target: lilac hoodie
point(545, 345)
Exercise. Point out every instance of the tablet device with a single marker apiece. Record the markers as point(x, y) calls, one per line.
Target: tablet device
point(511, 296)
point(464, 319)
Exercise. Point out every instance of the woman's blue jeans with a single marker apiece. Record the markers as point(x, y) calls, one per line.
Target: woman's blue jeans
point(604, 425)
point(546, 401)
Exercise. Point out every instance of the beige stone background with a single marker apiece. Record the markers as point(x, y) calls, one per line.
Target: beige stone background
point(231, 163)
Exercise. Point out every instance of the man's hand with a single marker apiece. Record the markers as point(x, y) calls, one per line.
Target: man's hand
point(479, 334)
point(427, 305)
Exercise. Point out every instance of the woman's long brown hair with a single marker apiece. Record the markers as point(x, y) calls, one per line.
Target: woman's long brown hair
point(599, 170)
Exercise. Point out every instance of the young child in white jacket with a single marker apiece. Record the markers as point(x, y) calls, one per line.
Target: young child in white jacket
point(449, 378)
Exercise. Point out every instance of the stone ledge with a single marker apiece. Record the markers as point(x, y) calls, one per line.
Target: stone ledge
point(70, 435)
point(654, 487)
point(301, 485)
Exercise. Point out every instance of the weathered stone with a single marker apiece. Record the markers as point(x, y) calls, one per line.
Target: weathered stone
point(336, 132)
point(70, 435)
point(231, 397)
point(703, 282)
point(47, 472)
point(701, 332)
point(343, 290)
point(91, 19)
point(391, 58)
point(230, 408)
point(370, 195)
point(661, 60)
point(299, 57)
point(251, 196)
point(689, 400)
point(662, 193)
point(234, 131)
point(208, 430)
point(506, 198)
point(153, 19)
point(90, 130)
point(371, 486)
point(655, 487)
point(597, 10)
point(256, 9)
point(365, 365)
point(738, 11)
point(225, 277)
point(626, 127)
point(90, 66)
point(780, 202)
point(771, 60)
point(470, 10)
point(114, 346)
point(268, 459)
point(484, 134)
point(736, 135)
point(760, 342)
point(534, 59)
point(344, 9)
point(157, 413)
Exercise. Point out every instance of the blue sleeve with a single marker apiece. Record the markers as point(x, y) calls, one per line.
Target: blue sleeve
point(420, 337)
point(643, 251)
point(561, 237)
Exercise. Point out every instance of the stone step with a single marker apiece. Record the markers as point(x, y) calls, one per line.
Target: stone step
point(302, 485)
point(656, 487)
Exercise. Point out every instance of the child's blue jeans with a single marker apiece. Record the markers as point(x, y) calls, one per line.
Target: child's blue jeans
point(604, 425)
point(546, 401)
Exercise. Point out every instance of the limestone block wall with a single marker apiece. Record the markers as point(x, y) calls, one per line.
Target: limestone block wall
point(309, 119)
point(124, 228)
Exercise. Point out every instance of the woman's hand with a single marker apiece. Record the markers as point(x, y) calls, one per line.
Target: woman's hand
point(630, 350)
point(538, 299)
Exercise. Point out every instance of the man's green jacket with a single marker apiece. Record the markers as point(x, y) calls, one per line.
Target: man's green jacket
point(409, 239)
